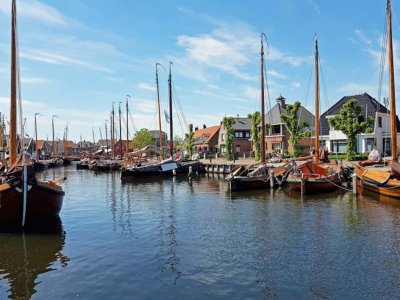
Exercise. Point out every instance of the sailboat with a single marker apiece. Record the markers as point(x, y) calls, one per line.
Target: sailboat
point(24, 198)
point(168, 166)
point(315, 176)
point(257, 176)
point(384, 181)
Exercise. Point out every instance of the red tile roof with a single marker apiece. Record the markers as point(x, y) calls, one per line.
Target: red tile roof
point(207, 132)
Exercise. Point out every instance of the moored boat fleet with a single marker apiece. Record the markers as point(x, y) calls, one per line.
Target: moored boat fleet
point(24, 198)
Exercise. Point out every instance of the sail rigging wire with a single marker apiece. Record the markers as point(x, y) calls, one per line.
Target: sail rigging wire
point(179, 110)
point(382, 61)
point(266, 81)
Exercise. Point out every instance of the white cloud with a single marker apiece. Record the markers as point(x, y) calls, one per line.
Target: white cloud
point(34, 80)
point(296, 84)
point(38, 11)
point(275, 74)
point(146, 86)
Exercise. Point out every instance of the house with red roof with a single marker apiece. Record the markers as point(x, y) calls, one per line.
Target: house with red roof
point(206, 139)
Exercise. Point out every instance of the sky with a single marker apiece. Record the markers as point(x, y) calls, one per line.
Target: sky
point(77, 57)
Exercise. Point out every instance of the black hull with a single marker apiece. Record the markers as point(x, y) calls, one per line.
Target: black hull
point(244, 183)
point(39, 166)
point(155, 170)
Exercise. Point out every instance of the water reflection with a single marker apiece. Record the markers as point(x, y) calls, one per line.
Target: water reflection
point(24, 256)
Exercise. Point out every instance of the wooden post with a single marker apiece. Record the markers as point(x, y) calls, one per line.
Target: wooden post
point(271, 178)
point(354, 180)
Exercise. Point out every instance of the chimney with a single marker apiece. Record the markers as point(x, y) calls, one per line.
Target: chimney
point(204, 126)
point(281, 101)
point(196, 128)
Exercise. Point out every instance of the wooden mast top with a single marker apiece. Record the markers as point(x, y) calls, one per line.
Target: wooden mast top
point(391, 85)
point(316, 103)
point(262, 104)
point(13, 100)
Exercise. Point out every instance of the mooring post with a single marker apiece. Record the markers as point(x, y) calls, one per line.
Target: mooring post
point(190, 171)
point(354, 180)
point(271, 178)
point(302, 186)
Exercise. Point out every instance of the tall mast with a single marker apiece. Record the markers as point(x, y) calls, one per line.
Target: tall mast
point(316, 104)
point(13, 104)
point(120, 132)
point(94, 141)
point(159, 107)
point(36, 144)
point(127, 118)
point(262, 104)
point(171, 125)
point(391, 85)
point(105, 125)
point(112, 131)
point(52, 126)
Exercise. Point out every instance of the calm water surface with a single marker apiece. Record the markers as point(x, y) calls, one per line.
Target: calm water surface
point(171, 238)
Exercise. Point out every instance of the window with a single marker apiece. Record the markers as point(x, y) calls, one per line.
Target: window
point(276, 146)
point(322, 143)
point(222, 137)
point(223, 149)
point(386, 146)
point(238, 134)
point(339, 146)
point(369, 144)
point(276, 129)
point(237, 149)
point(379, 121)
point(247, 134)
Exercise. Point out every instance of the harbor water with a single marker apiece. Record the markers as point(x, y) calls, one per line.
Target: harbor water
point(176, 238)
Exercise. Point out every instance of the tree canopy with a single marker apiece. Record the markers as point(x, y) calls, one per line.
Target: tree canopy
point(255, 133)
point(190, 140)
point(296, 126)
point(351, 123)
point(142, 138)
point(230, 134)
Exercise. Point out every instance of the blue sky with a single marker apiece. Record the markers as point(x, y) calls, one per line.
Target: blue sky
point(79, 56)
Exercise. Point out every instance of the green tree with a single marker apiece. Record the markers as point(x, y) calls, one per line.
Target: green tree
point(142, 138)
point(296, 127)
point(190, 140)
point(178, 143)
point(230, 134)
point(256, 133)
point(351, 123)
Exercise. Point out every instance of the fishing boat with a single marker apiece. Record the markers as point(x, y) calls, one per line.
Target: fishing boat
point(22, 196)
point(384, 180)
point(258, 176)
point(167, 167)
point(315, 176)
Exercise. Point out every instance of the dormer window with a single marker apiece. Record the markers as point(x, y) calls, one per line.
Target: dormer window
point(380, 122)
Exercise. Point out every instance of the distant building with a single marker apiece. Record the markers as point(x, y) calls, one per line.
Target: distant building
point(206, 139)
point(242, 140)
point(156, 136)
point(118, 148)
point(277, 136)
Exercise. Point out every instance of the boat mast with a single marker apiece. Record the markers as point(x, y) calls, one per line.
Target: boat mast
point(158, 101)
point(391, 86)
point(120, 132)
point(316, 103)
point(105, 125)
point(52, 126)
point(36, 143)
point(262, 104)
point(127, 129)
point(13, 104)
point(171, 128)
point(112, 132)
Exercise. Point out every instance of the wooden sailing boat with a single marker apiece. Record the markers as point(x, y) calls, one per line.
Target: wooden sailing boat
point(169, 166)
point(257, 176)
point(314, 176)
point(384, 181)
point(23, 197)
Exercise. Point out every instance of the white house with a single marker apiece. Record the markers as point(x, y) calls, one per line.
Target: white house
point(336, 140)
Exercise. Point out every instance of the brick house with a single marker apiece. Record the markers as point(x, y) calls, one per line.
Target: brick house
point(206, 139)
point(277, 136)
point(118, 147)
point(242, 144)
point(44, 149)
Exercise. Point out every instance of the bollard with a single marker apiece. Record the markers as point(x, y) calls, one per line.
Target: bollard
point(244, 155)
point(174, 172)
point(271, 178)
point(190, 172)
point(354, 180)
point(303, 190)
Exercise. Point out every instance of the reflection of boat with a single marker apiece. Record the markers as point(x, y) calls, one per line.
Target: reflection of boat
point(384, 181)
point(24, 256)
point(105, 165)
point(23, 195)
point(315, 176)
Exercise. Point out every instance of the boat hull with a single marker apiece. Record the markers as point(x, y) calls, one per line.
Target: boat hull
point(242, 183)
point(389, 188)
point(314, 185)
point(44, 202)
